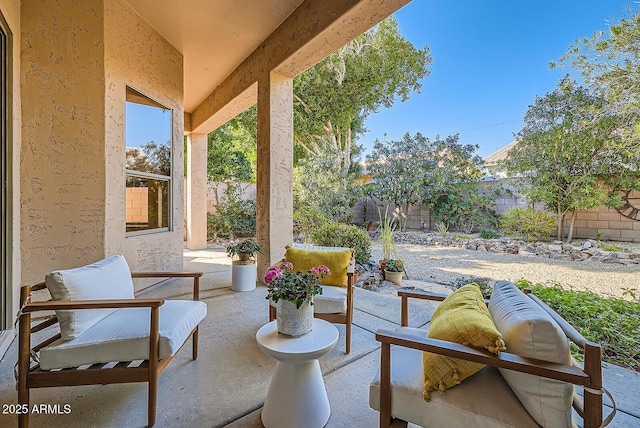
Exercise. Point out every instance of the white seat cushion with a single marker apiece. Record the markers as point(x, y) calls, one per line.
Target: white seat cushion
point(124, 336)
point(333, 300)
point(471, 404)
point(529, 331)
point(109, 278)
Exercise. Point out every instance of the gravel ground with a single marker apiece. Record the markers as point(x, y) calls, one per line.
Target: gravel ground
point(446, 264)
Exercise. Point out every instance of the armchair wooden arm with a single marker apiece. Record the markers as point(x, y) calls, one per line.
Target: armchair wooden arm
point(187, 274)
point(563, 372)
point(56, 305)
point(416, 294)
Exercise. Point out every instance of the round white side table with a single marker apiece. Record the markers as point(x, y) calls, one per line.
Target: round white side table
point(297, 396)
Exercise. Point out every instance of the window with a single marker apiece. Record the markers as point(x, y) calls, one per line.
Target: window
point(148, 163)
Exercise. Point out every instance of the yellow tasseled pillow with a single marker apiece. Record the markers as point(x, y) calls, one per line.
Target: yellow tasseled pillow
point(462, 318)
point(336, 260)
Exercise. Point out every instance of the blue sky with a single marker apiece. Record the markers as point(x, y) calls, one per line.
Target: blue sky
point(490, 60)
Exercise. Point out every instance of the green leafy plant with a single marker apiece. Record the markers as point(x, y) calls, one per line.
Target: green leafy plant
point(527, 223)
point(245, 250)
point(305, 219)
point(295, 286)
point(483, 283)
point(489, 234)
point(442, 228)
point(233, 215)
point(613, 323)
point(394, 265)
point(611, 247)
point(463, 206)
point(459, 236)
point(333, 234)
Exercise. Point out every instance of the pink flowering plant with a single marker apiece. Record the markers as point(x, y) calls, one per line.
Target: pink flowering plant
point(296, 286)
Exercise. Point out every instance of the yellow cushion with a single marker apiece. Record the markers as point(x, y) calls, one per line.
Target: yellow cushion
point(462, 318)
point(336, 260)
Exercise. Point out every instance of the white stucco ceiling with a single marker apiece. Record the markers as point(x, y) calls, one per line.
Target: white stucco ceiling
point(214, 36)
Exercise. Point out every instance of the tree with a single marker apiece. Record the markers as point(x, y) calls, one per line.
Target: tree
point(569, 151)
point(333, 98)
point(329, 196)
point(232, 149)
point(610, 63)
point(415, 169)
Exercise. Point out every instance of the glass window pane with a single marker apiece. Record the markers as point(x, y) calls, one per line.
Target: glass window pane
point(148, 135)
point(147, 203)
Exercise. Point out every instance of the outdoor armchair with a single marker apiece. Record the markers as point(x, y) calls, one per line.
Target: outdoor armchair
point(335, 304)
point(100, 333)
point(514, 389)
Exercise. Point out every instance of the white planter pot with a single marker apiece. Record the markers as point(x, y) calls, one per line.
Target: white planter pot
point(293, 321)
point(243, 275)
point(395, 277)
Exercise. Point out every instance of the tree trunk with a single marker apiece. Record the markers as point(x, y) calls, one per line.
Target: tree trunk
point(560, 221)
point(571, 226)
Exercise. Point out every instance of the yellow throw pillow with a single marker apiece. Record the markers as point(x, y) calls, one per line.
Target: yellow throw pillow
point(462, 318)
point(336, 260)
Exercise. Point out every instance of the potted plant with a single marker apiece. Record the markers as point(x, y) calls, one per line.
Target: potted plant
point(393, 270)
point(243, 265)
point(293, 293)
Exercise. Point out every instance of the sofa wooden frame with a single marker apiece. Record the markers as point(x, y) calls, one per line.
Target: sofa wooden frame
point(590, 409)
point(345, 317)
point(31, 376)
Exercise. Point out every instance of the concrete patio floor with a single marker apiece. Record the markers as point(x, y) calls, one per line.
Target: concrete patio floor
point(227, 385)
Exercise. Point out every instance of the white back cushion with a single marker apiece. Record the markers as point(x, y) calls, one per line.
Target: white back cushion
point(530, 332)
point(106, 279)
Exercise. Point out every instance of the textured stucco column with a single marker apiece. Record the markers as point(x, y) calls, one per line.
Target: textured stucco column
point(196, 191)
point(274, 195)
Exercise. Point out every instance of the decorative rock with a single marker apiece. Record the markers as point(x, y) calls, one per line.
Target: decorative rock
point(585, 251)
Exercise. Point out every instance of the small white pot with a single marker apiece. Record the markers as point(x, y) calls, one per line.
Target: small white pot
point(395, 277)
point(294, 321)
point(243, 275)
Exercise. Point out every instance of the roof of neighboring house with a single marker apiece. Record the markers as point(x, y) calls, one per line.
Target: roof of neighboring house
point(500, 155)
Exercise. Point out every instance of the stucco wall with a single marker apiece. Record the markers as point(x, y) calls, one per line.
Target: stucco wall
point(137, 56)
point(76, 59)
point(62, 157)
point(11, 12)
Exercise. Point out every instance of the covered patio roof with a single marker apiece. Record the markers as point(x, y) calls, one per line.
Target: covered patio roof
point(227, 44)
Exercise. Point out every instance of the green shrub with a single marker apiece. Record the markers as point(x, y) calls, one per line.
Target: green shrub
point(305, 219)
point(489, 234)
point(527, 223)
point(234, 216)
point(459, 236)
point(483, 283)
point(611, 322)
point(611, 247)
point(344, 235)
